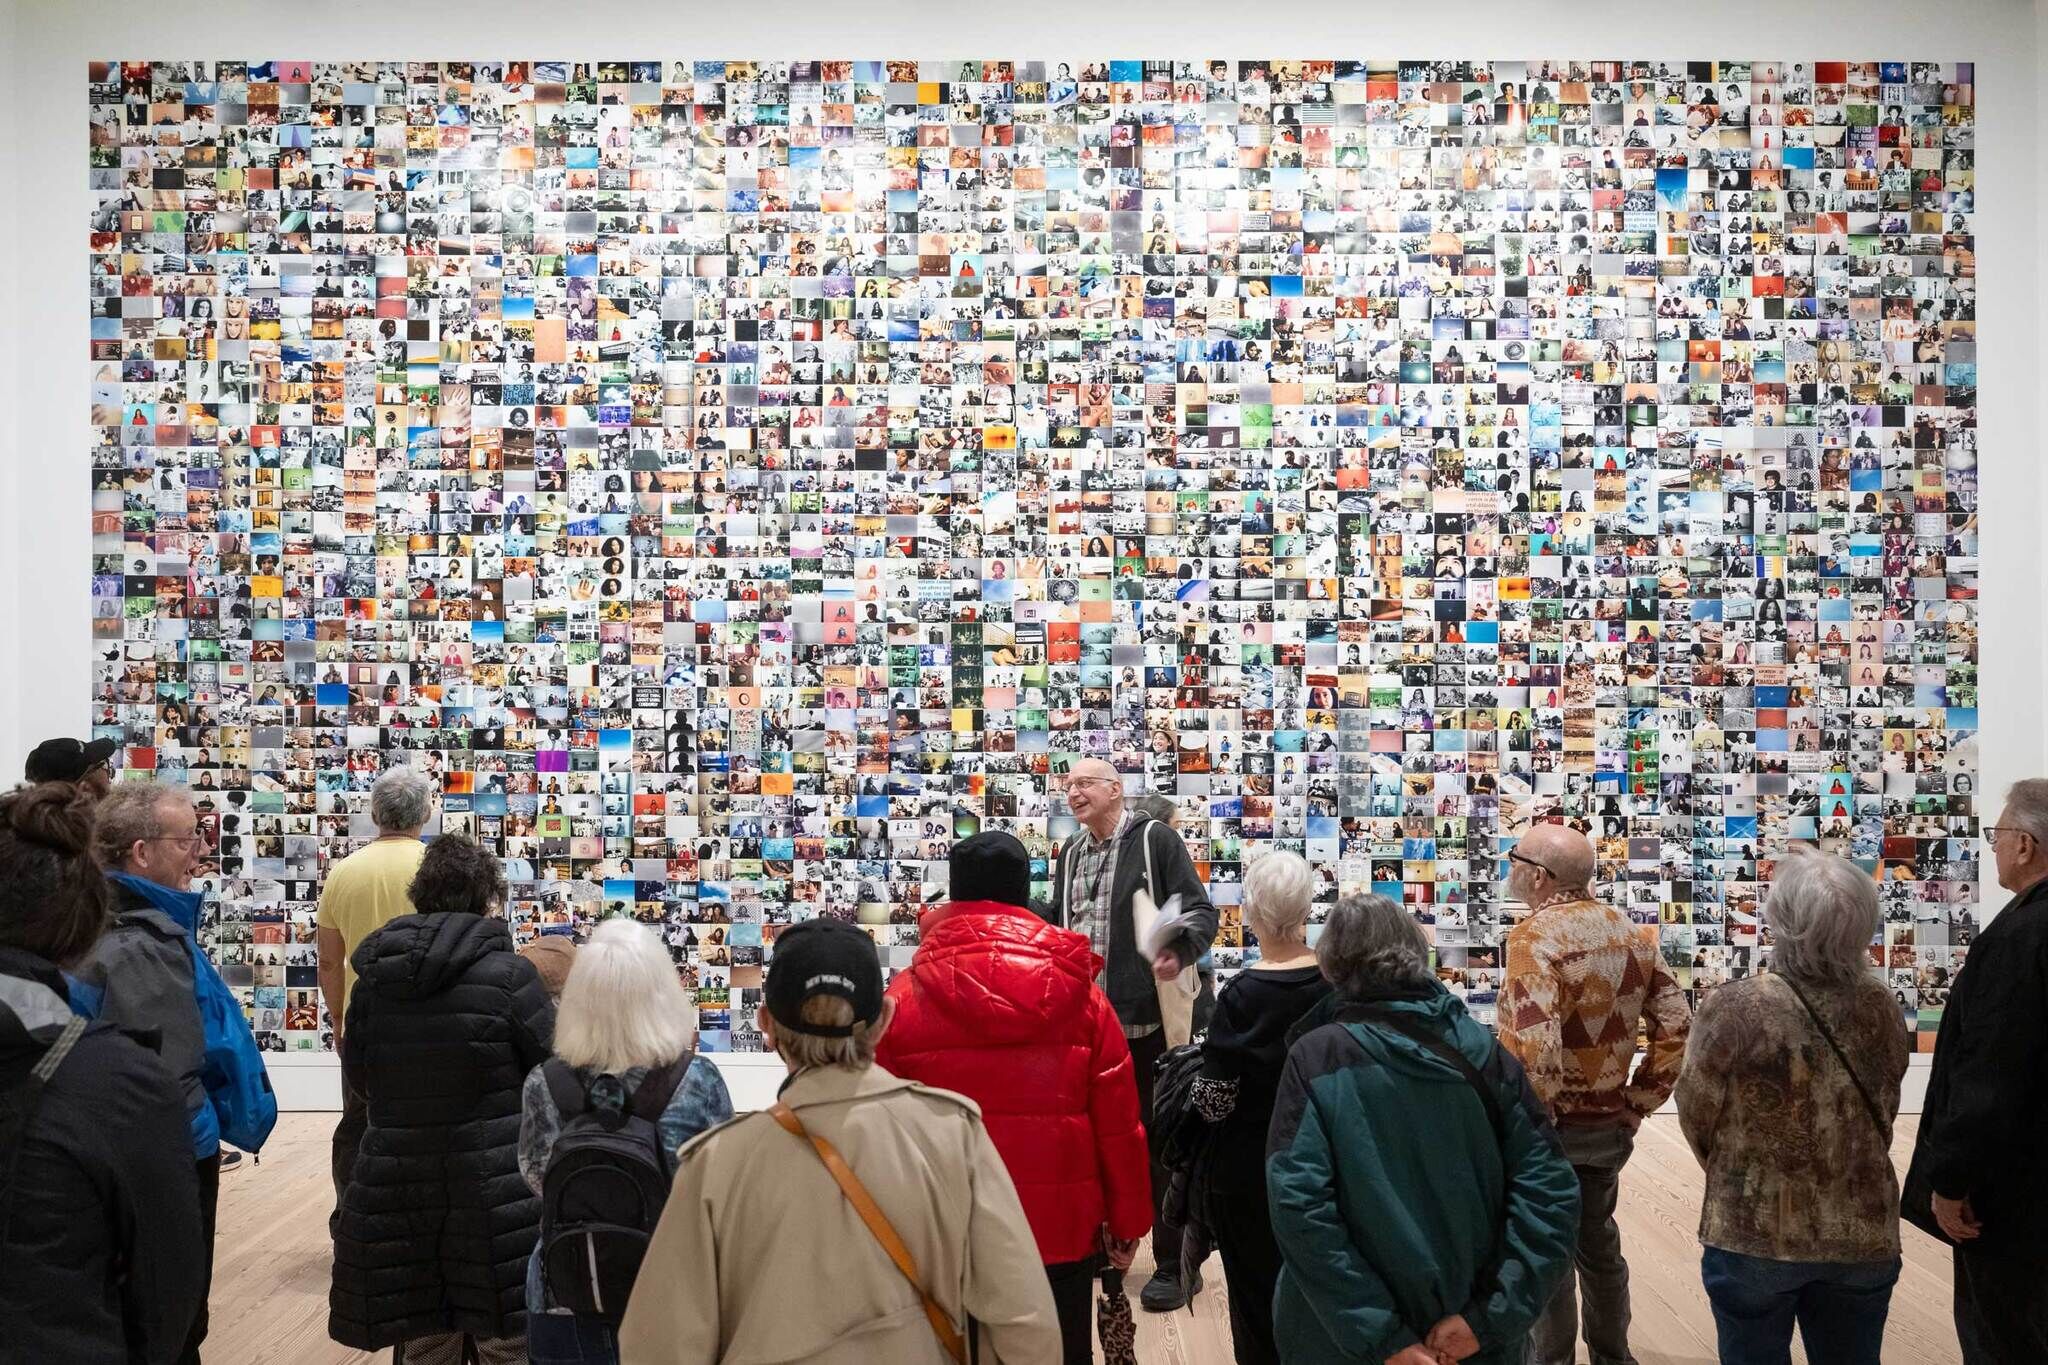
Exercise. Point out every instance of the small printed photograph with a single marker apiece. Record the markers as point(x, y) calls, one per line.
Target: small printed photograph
point(732, 483)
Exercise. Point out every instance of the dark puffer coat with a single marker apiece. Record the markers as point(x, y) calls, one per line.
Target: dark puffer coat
point(436, 1225)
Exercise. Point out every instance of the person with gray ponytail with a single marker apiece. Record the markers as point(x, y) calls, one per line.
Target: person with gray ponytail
point(1421, 1201)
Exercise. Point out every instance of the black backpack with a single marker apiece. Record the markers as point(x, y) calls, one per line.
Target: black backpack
point(607, 1180)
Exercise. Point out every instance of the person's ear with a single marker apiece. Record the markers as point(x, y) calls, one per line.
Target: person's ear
point(765, 1022)
point(883, 1020)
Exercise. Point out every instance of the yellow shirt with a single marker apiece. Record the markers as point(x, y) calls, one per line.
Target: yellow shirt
point(366, 891)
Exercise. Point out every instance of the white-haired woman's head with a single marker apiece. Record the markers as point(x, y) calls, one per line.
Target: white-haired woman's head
point(624, 1005)
point(1278, 891)
point(1822, 915)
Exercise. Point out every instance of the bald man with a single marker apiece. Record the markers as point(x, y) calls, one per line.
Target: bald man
point(1581, 976)
point(1099, 869)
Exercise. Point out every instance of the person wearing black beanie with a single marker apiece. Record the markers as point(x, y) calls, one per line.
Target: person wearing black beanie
point(994, 1006)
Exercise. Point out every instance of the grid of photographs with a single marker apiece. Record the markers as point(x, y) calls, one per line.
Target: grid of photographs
point(736, 480)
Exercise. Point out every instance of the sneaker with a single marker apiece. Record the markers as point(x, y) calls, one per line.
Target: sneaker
point(229, 1159)
point(1163, 1293)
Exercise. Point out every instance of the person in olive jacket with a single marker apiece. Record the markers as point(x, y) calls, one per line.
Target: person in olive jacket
point(436, 1224)
point(1421, 1201)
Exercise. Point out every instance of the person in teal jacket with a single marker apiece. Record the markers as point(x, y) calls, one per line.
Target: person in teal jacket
point(1422, 1204)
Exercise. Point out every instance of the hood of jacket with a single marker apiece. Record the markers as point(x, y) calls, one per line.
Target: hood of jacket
point(33, 1006)
point(420, 955)
point(999, 971)
point(1444, 1015)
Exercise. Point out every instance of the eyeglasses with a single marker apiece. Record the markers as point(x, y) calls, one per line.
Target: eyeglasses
point(186, 839)
point(1991, 833)
point(1544, 868)
point(1101, 781)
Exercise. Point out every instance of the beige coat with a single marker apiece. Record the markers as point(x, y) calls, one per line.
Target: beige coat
point(758, 1257)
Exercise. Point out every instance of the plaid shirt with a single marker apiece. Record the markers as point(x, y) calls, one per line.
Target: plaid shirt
point(1090, 883)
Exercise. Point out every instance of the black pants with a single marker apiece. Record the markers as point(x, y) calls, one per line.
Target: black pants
point(2002, 1304)
point(1251, 1261)
point(1073, 1297)
point(348, 1136)
point(1145, 1053)
point(209, 1215)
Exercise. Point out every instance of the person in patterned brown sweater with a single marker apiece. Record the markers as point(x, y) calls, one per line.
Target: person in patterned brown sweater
point(1582, 981)
point(1790, 1087)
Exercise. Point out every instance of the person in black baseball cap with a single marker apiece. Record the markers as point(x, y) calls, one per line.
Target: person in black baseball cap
point(825, 958)
point(88, 762)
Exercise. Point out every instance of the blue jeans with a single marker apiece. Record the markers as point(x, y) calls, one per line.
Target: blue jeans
point(1840, 1307)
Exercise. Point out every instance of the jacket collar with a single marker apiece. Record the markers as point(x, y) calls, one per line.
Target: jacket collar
point(933, 918)
point(182, 907)
point(838, 1085)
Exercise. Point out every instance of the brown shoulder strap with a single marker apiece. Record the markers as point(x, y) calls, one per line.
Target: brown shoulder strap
point(878, 1224)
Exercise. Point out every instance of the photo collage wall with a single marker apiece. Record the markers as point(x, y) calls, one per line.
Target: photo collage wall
point(734, 481)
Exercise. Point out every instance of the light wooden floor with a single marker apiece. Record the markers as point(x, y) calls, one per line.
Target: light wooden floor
point(270, 1276)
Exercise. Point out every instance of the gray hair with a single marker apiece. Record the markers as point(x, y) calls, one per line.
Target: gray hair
point(2026, 808)
point(802, 1051)
point(1278, 890)
point(1370, 944)
point(402, 799)
point(132, 811)
point(1153, 806)
point(1822, 915)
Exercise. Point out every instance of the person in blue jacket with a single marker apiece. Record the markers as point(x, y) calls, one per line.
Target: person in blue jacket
point(1423, 1207)
point(153, 978)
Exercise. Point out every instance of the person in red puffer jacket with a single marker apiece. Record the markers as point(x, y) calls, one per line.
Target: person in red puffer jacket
point(1003, 1008)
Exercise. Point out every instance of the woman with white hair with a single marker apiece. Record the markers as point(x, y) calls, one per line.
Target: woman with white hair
point(1790, 1086)
point(1241, 1062)
point(623, 1021)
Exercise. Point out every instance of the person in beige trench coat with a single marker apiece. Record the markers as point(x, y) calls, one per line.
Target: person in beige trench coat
point(759, 1258)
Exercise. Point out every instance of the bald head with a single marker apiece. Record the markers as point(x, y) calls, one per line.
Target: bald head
point(1550, 860)
point(1095, 794)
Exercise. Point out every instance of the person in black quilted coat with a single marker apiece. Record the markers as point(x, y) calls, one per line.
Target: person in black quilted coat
point(435, 1227)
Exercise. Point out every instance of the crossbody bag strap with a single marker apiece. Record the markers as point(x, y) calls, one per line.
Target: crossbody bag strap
point(23, 1104)
point(1409, 1027)
point(1151, 887)
point(1869, 1104)
point(1414, 1029)
point(877, 1224)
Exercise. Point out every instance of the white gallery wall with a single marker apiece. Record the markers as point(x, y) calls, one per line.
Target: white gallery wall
point(45, 45)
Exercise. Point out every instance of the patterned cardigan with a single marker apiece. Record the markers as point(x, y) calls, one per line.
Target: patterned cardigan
point(1580, 976)
point(1797, 1169)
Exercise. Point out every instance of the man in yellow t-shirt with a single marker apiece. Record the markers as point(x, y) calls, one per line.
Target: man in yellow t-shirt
point(364, 892)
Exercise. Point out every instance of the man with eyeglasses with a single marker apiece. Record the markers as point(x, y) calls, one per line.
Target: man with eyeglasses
point(154, 979)
point(1581, 979)
point(1098, 872)
point(1978, 1178)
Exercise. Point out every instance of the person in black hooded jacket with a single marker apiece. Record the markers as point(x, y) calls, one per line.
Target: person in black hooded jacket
point(436, 1224)
point(101, 1255)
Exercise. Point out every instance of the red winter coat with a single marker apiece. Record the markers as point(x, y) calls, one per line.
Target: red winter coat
point(1002, 1007)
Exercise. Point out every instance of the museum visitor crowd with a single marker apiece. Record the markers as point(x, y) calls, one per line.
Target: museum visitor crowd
point(534, 1163)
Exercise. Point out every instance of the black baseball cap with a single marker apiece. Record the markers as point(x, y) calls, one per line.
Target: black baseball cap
point(67, 760)
point(823, 957)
